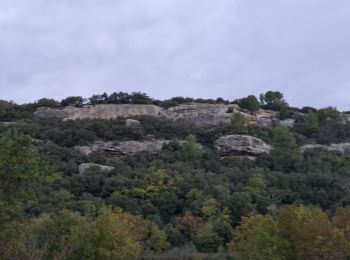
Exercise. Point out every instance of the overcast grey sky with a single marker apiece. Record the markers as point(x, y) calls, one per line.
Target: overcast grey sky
point(198, 48)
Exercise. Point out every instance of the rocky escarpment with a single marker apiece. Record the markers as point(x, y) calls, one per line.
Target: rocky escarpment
point(86, 167)
point(240, 145)
point(209, 114)
point(342, 148)
point(100, 111)
point(123, 148)
point(196, 113)
point(273, 122)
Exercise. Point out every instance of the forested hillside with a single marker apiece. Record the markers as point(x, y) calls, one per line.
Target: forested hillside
point(251, 178)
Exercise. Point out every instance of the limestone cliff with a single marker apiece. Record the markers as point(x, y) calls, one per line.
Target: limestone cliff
point(342, 148)
point(101, 111)
point(123, 148)
point(196, 113)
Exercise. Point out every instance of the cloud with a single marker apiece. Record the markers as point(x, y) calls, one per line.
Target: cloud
point(198, 48)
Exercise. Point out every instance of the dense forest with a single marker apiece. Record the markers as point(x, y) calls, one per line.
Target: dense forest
point(185, 202)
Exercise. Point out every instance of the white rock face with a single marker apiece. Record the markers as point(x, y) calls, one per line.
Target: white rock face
point(343, 148)
point(273, 122)
point(202, 114)
point(240, 145)
point(85, 167)
point(287, 123)
point(196, 113)
point(108, 111)
point(123, 148)
point(132, 123)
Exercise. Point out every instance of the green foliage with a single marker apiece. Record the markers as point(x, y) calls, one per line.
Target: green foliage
point(238, 124)
point(76, 101)
point(296, 233)
point(104, 238)
point(284, 111)
point(256, 185)
point(206, 239)
point(45, 237)
point(186, 192)
point(272, 98)
point(191, 150)
point(285, 153)
point(256, 239)
point(47, 102)
point(329, 113)
point(250, 103)
point(311, 123)
point(21, 173)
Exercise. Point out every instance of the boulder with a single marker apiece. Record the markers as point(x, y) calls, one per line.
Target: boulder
point(132, 123)
point(85, 167)
point(240, 145)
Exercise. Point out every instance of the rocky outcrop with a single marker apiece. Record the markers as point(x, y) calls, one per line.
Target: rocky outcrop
point(342, 148)
point(202, 114)
point(132, 123)
point(196, 113)
point(287, 123)
point(85, 167)
point(46, 112)
point(273, 122)
point(123, 148)
point(240, 145)
point(101, 111)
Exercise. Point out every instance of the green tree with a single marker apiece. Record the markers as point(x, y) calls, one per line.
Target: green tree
point(191, 150)
point(21, 173)
point(47, 102)
point(77, 101)
point(140, 98)
point(311, 123)
point(256, 185)
point(329, 113)
point(21, 176)
point(45, 237)
point(272, 98)
point(284, 111)
point(104, 238)
point(302, 230)
point(256, 238)
point(206, 239)
point(285, 153)
point(250, 103)
point(295, 233)
point(98, 99)
point(238, 124)
point(240, 204)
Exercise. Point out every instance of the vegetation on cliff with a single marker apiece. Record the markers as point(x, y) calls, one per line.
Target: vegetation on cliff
point(187, 199)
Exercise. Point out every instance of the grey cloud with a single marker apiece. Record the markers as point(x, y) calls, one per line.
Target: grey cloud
point(199, 48)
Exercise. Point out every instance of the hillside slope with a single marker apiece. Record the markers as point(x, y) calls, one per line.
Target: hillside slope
point(183, 172)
